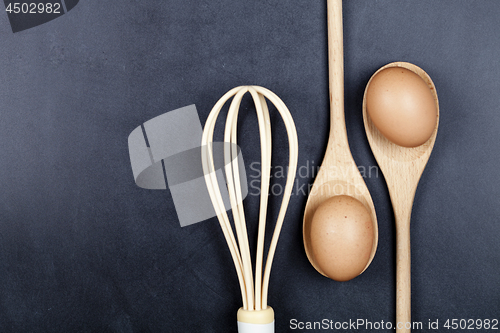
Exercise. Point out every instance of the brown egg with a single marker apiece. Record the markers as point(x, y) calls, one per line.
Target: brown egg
point(402, 107)
point(341, 237)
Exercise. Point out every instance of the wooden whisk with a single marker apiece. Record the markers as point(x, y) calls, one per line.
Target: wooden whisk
point(255, 315)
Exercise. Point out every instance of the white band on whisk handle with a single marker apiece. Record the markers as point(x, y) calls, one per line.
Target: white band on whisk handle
point(255, 328)
point(255, 316)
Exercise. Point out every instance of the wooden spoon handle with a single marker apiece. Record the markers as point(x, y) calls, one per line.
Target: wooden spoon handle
point(403, 271)
point(338, 133)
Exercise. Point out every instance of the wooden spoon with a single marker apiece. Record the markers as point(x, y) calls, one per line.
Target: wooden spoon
point(338, 174)
point(402, 168)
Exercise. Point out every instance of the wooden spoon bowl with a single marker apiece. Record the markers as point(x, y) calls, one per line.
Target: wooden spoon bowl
point(323, 189)
point(402, 168)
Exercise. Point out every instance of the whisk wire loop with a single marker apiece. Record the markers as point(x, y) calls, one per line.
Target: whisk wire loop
point(214, 190)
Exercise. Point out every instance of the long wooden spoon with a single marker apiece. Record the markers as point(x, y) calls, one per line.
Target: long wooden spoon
point(402, 168)
point(338, 174)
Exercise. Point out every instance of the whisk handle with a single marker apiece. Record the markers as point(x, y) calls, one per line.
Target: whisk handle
point(261, 321)
point(255, 328)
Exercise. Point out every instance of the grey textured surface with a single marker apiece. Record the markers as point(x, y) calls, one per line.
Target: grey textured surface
point(83, 249)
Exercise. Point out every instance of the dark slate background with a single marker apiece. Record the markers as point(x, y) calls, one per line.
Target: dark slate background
point(83, 249)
